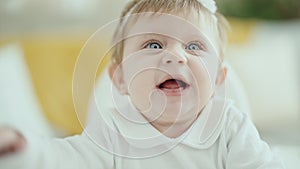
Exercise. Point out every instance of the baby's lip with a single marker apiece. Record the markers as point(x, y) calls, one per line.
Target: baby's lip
point(176, 77)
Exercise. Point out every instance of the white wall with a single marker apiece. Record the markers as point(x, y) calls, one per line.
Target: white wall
point(268, 65)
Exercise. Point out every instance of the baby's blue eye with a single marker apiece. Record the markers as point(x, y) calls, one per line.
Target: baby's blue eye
point(153, 45)
point(194, 46)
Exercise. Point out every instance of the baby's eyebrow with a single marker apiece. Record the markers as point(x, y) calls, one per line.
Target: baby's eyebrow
point(186, 39)
point(197, 37)
point(148, 36)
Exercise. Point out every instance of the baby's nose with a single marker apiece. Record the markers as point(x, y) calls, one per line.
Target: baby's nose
point(174, 59)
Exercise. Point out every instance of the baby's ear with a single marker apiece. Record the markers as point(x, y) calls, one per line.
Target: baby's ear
point(116, 76)
point(221, 75)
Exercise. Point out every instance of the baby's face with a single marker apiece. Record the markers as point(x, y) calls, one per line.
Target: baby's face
point(170, 66)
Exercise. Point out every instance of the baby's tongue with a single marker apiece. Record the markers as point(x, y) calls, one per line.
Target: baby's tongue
point(171, 84)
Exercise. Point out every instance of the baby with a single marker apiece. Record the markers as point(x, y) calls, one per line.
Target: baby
point(170, 107)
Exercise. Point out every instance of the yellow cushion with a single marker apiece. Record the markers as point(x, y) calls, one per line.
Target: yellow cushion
point(51, 60)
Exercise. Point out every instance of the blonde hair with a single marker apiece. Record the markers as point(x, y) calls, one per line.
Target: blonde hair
point(167, 6)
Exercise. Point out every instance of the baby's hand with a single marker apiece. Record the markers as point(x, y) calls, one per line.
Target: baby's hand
point(11, 141)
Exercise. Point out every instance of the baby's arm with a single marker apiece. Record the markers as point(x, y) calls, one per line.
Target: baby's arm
point(31, 152)
point(246, 149)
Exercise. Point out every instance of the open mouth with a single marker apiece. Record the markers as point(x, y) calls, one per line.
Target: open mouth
point(173, 86)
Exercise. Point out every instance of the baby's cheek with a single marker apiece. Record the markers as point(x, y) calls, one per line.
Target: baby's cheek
point(140, 88)
point(200, 71)
point(202, 78)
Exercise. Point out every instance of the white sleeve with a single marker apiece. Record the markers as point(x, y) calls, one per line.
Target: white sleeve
point(77, 152)
point(245, 149)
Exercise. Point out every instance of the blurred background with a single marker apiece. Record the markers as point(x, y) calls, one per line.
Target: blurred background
point(41, 40)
